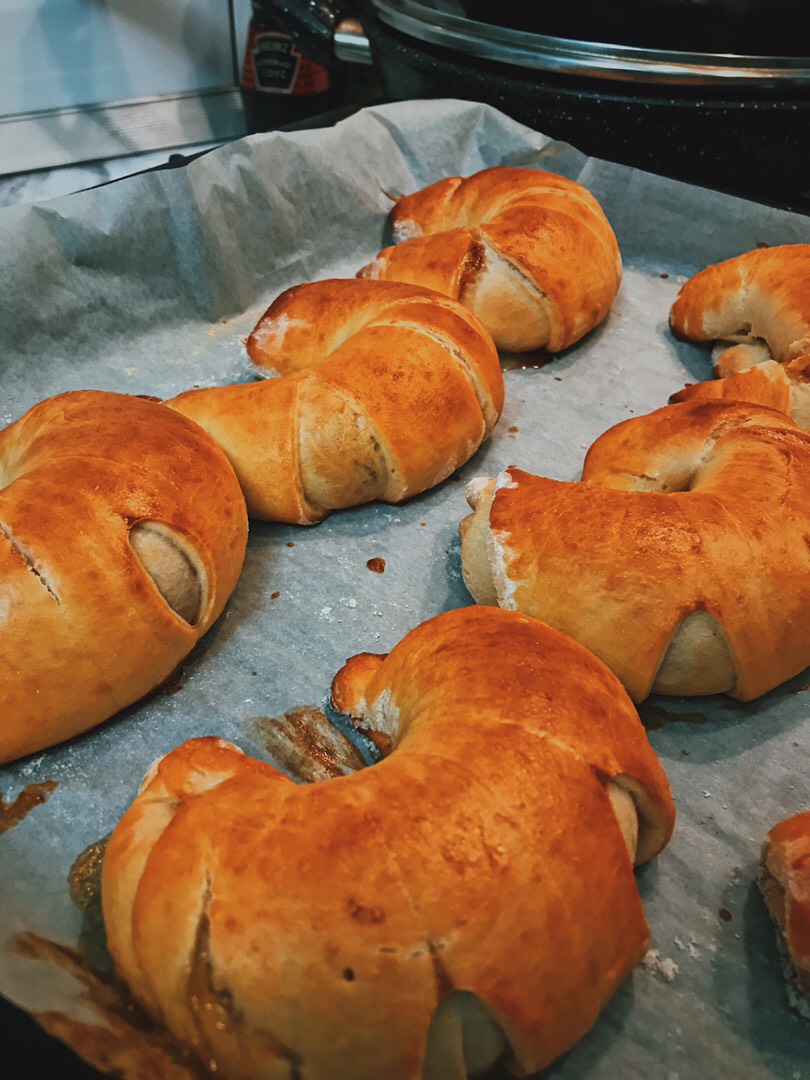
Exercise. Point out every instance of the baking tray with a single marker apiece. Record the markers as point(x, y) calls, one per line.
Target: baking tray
point(149, 285)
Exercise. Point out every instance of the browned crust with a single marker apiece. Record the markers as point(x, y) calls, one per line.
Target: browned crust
point(550, 230)
point(695, 507)
point(85, 631)
point(785, 883)
point(762, 293)
point(384, 390)
point(339, 914)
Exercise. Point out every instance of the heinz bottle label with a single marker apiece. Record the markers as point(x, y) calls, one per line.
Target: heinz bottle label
point(274, 65)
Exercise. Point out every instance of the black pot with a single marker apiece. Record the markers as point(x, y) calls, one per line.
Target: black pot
point(728, 120)
point(735, 123)
point(743, 27)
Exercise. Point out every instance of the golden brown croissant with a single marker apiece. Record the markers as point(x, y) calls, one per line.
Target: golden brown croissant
point(122, 535)
point(384, 390)
point(758, 301)
point(357, 927)
point(785, 883)
point(530, 252)
point(757, 307)
point(785, 387)
point(681, 558)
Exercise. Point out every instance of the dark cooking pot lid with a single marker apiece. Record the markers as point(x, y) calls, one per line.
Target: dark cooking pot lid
point(439, 22)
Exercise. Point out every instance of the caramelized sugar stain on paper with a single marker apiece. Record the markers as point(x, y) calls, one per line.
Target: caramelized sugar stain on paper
point(307, 745)
point(125, 1043)
point(15, 811)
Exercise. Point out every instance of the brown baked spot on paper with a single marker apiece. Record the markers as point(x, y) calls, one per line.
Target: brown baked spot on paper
point(84, 879)
point(125, 1041)
point(376, 565)
point(12, 813)
point(307, 745)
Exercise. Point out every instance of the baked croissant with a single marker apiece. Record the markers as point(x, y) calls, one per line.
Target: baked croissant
point(357, 927)
point(756, 306)
point(530, 252)
point(785, 883)
point(758, 303)
point(384, 390)
point(680, 559)
point(785, 387)
point(122, 535)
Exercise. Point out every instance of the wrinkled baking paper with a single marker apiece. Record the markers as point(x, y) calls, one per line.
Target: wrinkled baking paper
point(150, 285)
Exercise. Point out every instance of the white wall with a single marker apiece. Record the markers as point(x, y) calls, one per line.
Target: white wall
point(77, 63)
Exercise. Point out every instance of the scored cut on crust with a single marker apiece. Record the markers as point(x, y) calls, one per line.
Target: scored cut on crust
point(357, 926)
point(530, 252)
point(679, 558)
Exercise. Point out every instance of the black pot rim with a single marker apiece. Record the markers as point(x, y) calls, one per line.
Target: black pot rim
point(427, 22)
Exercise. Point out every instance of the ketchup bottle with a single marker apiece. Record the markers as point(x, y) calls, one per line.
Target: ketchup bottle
point(280, 85)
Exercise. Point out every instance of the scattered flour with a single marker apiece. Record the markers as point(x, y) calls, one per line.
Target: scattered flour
point(657, 964)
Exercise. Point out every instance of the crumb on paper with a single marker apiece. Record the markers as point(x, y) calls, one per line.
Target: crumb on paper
point(689, 947)
point(657, 964)
point(32, 765)
point(350, 603)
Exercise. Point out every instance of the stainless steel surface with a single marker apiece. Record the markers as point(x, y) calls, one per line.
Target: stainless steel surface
point(434, 23)
point(65, 137)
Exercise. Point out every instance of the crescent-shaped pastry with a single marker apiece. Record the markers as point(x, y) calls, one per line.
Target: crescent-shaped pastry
point(530, 252)
point(785, 387)
point(382, 391)
point(122, 535)
point(784, 879)
point(756, 307)
point(681, 557)
point(758, 303)
point(470, 898)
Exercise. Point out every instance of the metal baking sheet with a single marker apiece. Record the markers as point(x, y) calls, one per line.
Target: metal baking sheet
point(150, 285)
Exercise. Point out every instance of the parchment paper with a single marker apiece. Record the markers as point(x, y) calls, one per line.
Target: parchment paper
point(149, 285)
